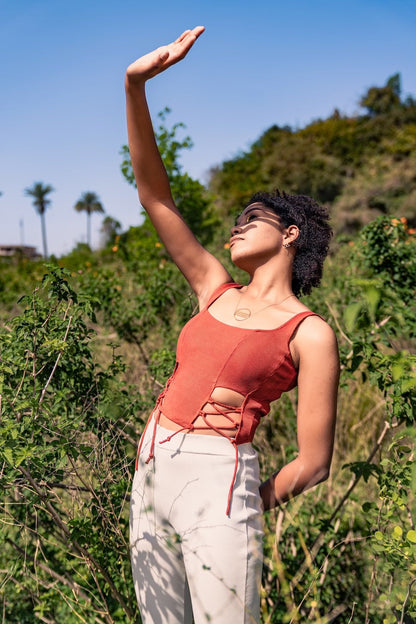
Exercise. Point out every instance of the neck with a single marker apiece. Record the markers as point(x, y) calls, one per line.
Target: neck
point(269, 285)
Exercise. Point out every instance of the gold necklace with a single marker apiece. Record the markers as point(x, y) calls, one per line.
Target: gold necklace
point(242, 314)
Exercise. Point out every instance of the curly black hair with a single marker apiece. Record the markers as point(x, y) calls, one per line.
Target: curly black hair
point(315, 233)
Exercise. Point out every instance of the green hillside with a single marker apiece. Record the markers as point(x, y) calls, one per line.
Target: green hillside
point(362, 166)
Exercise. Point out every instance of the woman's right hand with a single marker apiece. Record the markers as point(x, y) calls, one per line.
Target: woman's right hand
point(160, 59)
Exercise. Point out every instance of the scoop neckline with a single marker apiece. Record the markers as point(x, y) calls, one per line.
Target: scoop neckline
point(254, 329)
point(237, 285)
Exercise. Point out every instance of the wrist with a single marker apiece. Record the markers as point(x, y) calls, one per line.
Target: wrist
point(134, 83)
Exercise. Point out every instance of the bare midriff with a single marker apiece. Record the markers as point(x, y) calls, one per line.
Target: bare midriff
point(203, 425)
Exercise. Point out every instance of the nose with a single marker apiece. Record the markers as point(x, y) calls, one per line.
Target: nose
point(235, 230)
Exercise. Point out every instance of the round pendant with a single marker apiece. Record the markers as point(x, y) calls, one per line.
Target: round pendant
point(242, 314)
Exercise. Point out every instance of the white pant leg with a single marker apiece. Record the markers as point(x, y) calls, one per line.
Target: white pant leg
point(223, 555)
point(157, 563)
point(220, 555)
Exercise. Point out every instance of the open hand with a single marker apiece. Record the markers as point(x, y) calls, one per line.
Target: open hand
point(160, 59)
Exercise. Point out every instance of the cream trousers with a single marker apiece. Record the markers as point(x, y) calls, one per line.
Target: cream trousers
point(190, 561)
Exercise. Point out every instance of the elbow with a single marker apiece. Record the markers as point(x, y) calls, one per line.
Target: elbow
point(315, 474)
point(315, 467)
point(322, 474)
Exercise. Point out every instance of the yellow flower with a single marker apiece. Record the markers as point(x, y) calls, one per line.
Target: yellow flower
point(115, 248)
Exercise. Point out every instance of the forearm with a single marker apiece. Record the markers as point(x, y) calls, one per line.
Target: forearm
point(292, 479)
point(149, 171)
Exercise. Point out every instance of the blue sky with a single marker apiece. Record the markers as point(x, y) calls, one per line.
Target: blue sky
point(62, 64)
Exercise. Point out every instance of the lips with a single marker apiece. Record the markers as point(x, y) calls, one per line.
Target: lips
point(233, 239)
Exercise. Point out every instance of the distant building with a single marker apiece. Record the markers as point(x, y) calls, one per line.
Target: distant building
point(15, 250)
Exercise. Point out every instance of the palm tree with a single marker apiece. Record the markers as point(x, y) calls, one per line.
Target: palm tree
point(39, 192)
point(89, 202)
point(109, 229)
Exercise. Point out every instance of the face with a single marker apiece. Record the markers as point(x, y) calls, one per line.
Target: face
point(257, 233)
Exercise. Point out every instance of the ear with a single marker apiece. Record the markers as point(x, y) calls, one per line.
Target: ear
point(291, 234)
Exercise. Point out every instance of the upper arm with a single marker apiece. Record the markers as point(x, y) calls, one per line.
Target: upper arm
point(318, 379)
point(201, 269)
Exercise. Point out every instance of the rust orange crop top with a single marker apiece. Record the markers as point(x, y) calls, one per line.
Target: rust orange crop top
point(256, 363)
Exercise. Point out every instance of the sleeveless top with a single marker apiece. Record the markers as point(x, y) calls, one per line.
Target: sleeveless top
point(256, 363)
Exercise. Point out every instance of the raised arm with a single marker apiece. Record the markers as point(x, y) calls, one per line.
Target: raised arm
point(315, 349)
point(203, 272)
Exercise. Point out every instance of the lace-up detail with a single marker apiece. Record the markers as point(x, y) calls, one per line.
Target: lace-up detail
point(220, 409)
point(156, 413)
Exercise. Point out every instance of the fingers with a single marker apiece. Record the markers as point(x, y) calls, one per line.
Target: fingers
point(177, 50)
point(196, 32)
point(187, 40)
point(182, 36)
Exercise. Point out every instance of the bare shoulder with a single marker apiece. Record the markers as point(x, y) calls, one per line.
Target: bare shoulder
point(315, 331)
point(314, 339)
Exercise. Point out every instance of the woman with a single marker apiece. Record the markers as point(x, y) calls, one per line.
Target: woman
point(197, 503)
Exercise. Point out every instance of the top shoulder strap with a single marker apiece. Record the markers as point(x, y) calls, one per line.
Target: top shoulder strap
point(220, 290)
point(295, 321)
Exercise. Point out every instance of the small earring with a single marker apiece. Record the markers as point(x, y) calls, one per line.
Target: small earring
point(286, 245)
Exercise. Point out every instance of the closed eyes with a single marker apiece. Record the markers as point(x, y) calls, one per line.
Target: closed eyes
point(241, 220)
